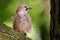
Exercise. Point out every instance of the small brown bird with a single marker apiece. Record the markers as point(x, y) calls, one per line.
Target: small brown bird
point(22, 20)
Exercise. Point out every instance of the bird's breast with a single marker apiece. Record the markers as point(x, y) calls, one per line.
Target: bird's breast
point(24, 23)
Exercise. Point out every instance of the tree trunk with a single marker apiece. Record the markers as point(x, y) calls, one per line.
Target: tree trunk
point(55, 20)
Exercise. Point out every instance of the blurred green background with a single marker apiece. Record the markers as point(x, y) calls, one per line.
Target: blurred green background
point(39, 15)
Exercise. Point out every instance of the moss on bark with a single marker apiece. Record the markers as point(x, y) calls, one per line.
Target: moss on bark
point(7, 33)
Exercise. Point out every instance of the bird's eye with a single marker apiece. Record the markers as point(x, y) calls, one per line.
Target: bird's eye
point(26, 9)
point(25, 6)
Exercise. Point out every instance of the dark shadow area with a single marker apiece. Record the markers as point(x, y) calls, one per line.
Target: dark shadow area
point(3, 14)
point(44, 32)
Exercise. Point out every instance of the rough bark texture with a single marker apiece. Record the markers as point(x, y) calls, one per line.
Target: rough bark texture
point(7, 33)
point(55, 20)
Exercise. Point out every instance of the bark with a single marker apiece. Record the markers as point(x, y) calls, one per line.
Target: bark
point(55, 20)
point(7, 33)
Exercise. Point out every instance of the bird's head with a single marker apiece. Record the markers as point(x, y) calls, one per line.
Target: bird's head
point(23, 9)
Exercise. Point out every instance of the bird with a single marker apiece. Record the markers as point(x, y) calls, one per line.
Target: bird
point(22, 20)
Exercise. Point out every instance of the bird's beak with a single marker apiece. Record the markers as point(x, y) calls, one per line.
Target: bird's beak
point(30, 8)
